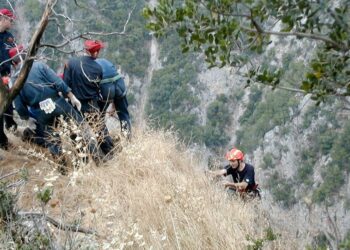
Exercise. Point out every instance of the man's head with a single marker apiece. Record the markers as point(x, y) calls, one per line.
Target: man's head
point(92, 47)
point(235, 157)
point(6, 19)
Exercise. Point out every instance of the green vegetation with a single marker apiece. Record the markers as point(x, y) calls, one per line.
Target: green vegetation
point(282, 190)
point(234, 32)
point(268, 161)
point(218, 120)
point(257, 244)
point(345, 244)
point(173, 99)
point(262, 116)
point(320, 242)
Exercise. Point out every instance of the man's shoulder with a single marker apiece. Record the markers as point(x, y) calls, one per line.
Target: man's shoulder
point(7, 37)
point(73, 62)
point(6, 34)
point(249, 166)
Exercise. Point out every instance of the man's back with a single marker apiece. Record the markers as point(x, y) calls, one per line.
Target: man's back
point(83, 75)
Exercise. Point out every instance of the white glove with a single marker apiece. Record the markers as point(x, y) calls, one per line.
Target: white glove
point(32, 123)
point(75, 102)
point(110, 109)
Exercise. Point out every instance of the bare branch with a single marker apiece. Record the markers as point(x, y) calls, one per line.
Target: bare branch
point(76, 3)
point(259, 30)
point(59, 225)
point(15, 184)
point(9, 174)
point(84, 35)
point(291, 89)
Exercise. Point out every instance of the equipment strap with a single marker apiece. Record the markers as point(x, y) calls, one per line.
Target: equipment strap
point(112, 79)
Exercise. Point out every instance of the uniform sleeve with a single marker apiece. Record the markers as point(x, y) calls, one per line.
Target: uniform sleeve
point(52, 77)
point(6, 44)
point(229, 170)
point(21, 108)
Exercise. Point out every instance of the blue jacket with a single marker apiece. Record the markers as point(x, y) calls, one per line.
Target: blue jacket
point(112, 85)
point(83, 75)
point(7, 41)
point(108, 68)
point(42, 83)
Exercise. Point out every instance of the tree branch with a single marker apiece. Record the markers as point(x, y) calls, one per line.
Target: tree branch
point(259, 30)
point(59, 225)
point(83, 35)
point(9, 174)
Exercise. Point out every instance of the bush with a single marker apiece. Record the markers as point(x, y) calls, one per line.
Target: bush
point(282, 190)
point(268, 161)
point(333, 179)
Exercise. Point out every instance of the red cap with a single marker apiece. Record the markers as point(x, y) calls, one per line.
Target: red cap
point(7, 12)
point(93, 45)
point(15, 50)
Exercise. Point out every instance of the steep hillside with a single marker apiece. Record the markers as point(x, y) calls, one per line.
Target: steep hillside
point(153, 194)
point(300, 150)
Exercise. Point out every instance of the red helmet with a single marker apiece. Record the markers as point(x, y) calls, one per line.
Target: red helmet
point(15, 51)
point(93, 45)
point(234, 154)
point(7, 12)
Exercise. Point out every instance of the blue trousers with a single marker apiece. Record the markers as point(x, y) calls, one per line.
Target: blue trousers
point(91, 107)
point(46, 122)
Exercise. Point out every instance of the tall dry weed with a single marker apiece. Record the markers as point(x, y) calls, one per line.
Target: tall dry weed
point(154, 195)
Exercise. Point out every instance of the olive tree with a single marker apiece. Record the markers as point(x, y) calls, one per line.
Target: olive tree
point(233, 32)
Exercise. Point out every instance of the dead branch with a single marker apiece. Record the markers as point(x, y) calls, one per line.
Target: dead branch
point(85, 34)
point(59, 225)
point(9, 174)
point(16, 184)
point(335, 44)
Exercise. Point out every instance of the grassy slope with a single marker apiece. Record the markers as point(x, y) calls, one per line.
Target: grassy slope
point(152, 195)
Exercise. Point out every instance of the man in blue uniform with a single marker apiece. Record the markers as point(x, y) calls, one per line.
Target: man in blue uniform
point(113, 91)
point(7, 41)
point(83, 75)
point(41, 93)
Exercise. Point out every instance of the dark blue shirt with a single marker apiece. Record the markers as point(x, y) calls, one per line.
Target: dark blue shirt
point(7, 41)
point(108, 68)
point(112, 85)
point(42, 83)
point(83, 75)
point(247, 175)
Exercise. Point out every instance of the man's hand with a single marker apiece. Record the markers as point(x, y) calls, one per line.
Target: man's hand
point(228, 184)
point(31, 123)
point(5, 80)
point(74, 101)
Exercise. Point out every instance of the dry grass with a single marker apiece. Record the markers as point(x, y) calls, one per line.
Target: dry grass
point(152, 195)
